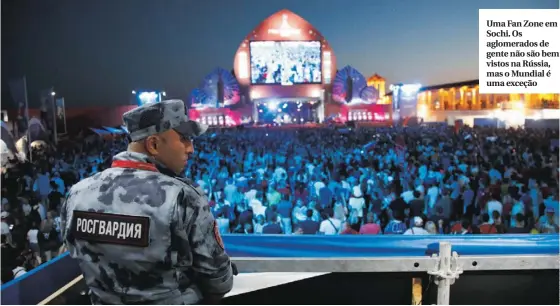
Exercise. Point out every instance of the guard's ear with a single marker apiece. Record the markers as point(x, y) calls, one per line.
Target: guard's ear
point(151, 144)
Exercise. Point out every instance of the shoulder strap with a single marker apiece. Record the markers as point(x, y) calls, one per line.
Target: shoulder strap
point(335, 228)
point(19, 270)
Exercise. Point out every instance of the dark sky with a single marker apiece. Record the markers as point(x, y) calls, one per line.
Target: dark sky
point(97, 51)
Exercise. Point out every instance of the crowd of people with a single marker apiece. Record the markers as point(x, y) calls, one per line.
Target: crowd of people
point(32, 195)
point(384, 180)
point(329, 181)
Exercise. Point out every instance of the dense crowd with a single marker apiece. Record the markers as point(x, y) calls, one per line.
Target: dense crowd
point(411, 181)
point(32, 195)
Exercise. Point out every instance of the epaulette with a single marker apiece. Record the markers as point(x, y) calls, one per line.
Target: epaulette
point(189, 183)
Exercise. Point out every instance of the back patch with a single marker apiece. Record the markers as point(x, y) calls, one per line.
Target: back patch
point(111, 228)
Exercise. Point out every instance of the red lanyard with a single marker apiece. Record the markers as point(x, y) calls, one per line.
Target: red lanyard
point(134, 165)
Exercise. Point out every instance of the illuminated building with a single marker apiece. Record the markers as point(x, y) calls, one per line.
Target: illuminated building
point(262, 80)
point(353, 100)
point(216, 101)
point(462, 100)
point(378, 82)
point(285, 73)
point(465, 96)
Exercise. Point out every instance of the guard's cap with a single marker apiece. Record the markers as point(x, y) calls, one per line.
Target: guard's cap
point(154, 118)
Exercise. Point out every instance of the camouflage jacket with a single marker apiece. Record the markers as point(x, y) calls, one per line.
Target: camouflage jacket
point(144, 236)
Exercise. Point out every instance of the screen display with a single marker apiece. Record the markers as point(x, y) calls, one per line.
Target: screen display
point(148, 97)
point(285, 62)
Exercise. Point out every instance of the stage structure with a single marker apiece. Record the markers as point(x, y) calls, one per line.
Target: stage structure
point(216, 101)
point(357, 101)
point(285, 68)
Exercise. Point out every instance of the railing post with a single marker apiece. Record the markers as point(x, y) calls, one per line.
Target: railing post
point(444, 284)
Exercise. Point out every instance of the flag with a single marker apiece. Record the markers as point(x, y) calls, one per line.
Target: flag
point(8, 139)
point(37, 131)
point(60, 116)
point(18, 90)
point(8, 150)
point(47, 117)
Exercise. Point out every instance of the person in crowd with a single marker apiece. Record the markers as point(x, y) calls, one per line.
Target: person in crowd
point(309, 226)
point(371, 227)
point(396, 225)
point(547, 223)
point(498, 222)
point(357, 202)
point(330, 225)
point(19, 270)
point(431, 228)
point(349, 229)
point(486, 227)
point(273, 226)
point(33, 240)
point(284, 209)
point(55, 196)
point(9, 254)
point(417, 228)
point(494, 205)
point(519, 226)
point(416, 204)
point(6, 231)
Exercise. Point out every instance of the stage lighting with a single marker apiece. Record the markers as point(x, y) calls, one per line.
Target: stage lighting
point(272, 105)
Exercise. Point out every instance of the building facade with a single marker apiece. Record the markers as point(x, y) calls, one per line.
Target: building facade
point(465, 96)
point(463, 101)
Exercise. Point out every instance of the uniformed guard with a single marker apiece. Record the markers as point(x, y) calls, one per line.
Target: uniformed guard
point(141, 233)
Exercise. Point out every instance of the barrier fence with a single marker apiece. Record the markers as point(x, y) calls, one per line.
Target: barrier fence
point(442, 257)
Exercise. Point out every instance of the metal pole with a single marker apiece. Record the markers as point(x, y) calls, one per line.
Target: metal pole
point(444, 284)
point(64, 110)
point(53, 106)
point(27, 119)
point(255, 111)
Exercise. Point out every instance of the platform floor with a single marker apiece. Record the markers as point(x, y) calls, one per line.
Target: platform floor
point(524, 287)
point(244, 283)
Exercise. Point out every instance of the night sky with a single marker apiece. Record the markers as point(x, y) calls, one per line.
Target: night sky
point(97, 51)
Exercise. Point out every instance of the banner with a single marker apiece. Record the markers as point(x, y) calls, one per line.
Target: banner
point(37, 131)
point(405, 100)
point(8, 149)
point(47, 116)
point(18, 90)
point(60, 116)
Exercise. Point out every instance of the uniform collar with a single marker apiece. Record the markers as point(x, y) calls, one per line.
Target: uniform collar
point(143, 158)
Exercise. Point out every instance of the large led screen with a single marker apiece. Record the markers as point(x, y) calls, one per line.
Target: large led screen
point(148, 97)
point(285, 62)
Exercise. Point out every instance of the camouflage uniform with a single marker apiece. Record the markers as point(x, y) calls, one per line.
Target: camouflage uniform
point(144, 236)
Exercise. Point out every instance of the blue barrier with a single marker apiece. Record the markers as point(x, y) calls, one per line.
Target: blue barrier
point(385, 246)
point(41, 282)
point(37, 284)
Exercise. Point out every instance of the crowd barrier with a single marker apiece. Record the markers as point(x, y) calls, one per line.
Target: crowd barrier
point(440, 258)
